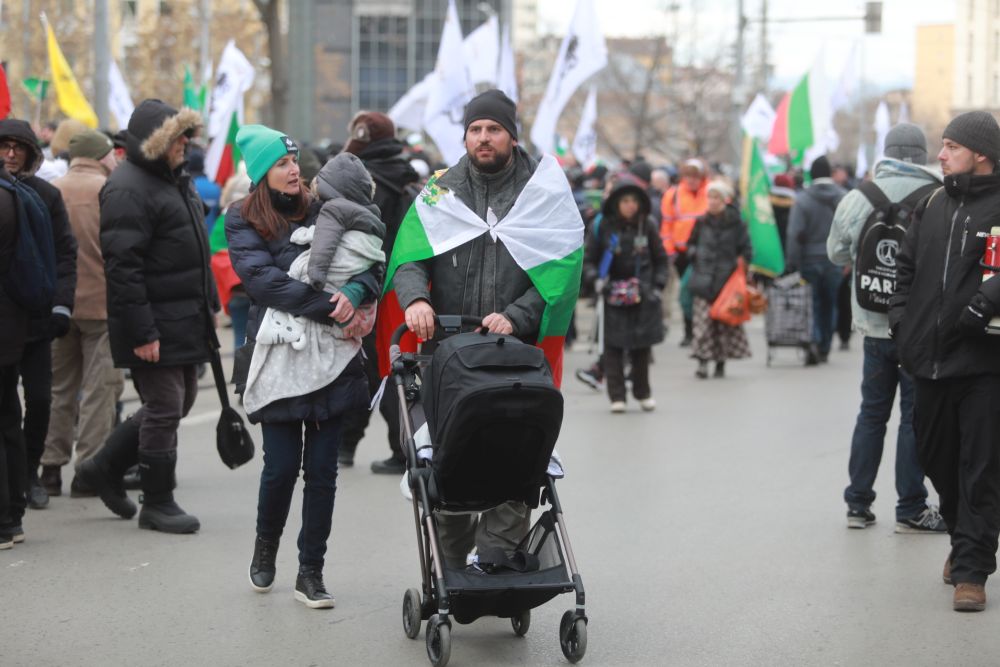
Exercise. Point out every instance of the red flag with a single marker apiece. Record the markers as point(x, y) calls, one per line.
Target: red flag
point(4, 94)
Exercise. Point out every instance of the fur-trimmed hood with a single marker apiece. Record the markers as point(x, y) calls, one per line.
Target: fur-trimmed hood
point(153, 127)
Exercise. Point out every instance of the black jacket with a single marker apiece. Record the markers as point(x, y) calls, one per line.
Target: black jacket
point(938, 274)
point(14, 330)
point(155, 248)
point(639, 252)
point(392, 174)
point(62, 232)
point(716, 243)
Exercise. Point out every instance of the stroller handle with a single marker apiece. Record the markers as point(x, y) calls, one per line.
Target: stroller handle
point(446, 322)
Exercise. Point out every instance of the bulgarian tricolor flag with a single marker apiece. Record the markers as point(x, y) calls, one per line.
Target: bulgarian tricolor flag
point(223, 156)
point(543, 233)
point(803, 116)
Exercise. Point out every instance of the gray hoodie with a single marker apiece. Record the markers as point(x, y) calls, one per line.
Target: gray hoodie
point(346, 188)
point(809, 223)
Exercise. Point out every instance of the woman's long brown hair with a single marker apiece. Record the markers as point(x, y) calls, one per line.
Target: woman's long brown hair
point(260, 213)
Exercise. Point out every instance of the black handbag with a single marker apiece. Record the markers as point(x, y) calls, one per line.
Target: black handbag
point(232, 438)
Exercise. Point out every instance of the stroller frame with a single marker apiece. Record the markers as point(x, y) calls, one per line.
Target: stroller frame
point(433, 602)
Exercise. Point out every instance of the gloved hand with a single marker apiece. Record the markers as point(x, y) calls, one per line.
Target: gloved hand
point(976, 316)
point(58, 325)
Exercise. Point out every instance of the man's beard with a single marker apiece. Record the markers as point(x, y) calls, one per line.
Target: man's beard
point(491, 165)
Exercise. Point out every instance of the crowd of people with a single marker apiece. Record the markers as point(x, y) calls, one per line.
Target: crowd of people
point(141, 252)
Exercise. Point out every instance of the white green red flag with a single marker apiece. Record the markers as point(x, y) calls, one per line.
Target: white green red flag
point(543, 233)
point(803, 116)
point(223, 155)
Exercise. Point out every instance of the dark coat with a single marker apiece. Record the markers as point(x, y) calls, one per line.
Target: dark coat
point(262, 266)
point(155, 250)
point(938, 274)
point(395, 184)
point(14, 330)
point(716, 243)
point(62, 232)
point(638, 252)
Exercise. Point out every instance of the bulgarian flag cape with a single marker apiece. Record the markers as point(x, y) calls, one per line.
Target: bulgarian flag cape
point(543, 233)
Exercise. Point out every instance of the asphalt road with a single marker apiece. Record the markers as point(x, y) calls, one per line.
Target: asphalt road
point(710, 532)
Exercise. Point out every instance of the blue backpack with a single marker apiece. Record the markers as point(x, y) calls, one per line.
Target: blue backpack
point(31, 280)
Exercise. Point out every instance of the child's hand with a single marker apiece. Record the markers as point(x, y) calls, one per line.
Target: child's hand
point(344, 309)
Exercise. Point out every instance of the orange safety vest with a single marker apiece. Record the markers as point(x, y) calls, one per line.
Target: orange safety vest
point(680, 209)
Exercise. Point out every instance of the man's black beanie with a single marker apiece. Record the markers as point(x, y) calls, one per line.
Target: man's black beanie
point(820, 168)
point(492, 105)
point(978, 131)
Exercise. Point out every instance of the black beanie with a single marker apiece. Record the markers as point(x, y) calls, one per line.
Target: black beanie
point(978, 131)
point(492, 105)
point(820, 168)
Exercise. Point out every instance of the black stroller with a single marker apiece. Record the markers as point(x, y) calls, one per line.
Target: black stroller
point(493, 415)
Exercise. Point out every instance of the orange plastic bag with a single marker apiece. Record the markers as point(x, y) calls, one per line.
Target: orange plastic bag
point(732, 306)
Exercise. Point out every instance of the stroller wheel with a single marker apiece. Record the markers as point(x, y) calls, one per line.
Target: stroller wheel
point(438, 641)
point(521, 622)
point(411, 613)
point(573, 636)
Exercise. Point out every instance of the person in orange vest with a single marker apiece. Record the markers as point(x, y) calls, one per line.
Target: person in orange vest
point(681, 206)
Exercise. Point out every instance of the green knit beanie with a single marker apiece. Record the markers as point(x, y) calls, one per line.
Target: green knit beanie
point(261, 147)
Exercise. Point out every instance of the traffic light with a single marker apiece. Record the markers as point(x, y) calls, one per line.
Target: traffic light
point(873, 18)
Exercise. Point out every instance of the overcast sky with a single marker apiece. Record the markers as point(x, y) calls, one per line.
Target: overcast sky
point(888, 58)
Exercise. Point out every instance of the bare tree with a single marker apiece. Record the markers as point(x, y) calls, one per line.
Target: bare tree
point(270, 15)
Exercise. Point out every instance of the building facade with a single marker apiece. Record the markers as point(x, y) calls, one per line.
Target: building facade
point(976, 82)
point(934, 77)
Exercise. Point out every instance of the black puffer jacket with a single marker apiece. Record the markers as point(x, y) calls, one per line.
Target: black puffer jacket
point(62, 232)
point(638, 252)
point(938, 274)
point(155, 247)
point(15, 319)
point(384, 161)
point(716, 243)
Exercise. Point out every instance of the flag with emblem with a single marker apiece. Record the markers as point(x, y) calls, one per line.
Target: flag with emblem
point(543, 232)
point(768, 256)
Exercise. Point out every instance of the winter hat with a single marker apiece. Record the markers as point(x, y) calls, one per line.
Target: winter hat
point(978, 131)
point(492, 105)
point(820, 168)
point(90, 144)
point(366, 127)
point(641, 170)
point(692, 167)
point(906, 142)
point(261, 147)
point(67, 129)
point(721, 188)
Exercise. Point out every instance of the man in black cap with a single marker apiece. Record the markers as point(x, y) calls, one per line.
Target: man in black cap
point(939, 316)
point(481, 279)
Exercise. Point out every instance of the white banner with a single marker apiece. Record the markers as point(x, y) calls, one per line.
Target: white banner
point(507, 69)
point(582, 54)
point(482, 50)
point(408, 112)
point(233, 77)
point(451, 89)
point(585, 141)
point(119, 101)
point(882, 127)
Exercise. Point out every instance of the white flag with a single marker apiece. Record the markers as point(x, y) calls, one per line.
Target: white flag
point(759, 118)
point(408, 112)
point(507, 69)
point(119, 100)
point(904, 113)
point(582, 54)
point(862, 168)
point(585, 141)
point(849, 78)
point(451, 89)
point(882, 126)
point(233, 77)
point(482, 50)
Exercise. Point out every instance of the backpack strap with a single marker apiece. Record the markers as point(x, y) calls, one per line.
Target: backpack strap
point(874, 194)
point(911, 200)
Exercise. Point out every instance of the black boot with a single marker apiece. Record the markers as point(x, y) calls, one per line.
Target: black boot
point(702, 371)
point(720, 369)
point(688, 332)
point(159, 511)
point(262, 566)
point(104, 470)
point(131, 479)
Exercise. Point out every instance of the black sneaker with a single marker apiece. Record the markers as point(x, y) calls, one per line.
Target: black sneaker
point(860, 518)
point(6, 539)
point(37, 496)
point(16, 532)
point(310, 591)
point(928, 522)
point(345, 458)
point(590, 378)
point(262, 566)
point(390, 466)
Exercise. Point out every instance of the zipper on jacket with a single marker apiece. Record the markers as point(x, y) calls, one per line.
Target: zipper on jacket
point(944, 279)
point(965, 231)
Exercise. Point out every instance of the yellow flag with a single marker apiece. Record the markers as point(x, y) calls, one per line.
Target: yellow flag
point(68, 93)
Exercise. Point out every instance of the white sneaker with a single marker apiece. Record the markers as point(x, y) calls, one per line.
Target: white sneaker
point(648, 404)
point(618, 407)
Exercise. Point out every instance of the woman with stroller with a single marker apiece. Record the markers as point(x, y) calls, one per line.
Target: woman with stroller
point(626, 262)
point(299, 431)
point(719, 239)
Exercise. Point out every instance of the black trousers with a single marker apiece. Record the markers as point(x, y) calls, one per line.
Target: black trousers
point(957, 424)
point(36, 378)
point(614, 372)
point(12, 466)
point(844, 309)
point(355, 422)
point(167, 394)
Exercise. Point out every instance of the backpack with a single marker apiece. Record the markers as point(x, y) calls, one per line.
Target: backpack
point(31, 280)
point(880, 239)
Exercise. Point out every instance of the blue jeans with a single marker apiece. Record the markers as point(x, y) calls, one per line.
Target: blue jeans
point(239, 311)
point(825, 280)
point(285, 452)
point(881, 374)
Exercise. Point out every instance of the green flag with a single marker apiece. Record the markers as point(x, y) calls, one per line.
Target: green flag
point(36, 88)
point(191, 97)
point(768, 257)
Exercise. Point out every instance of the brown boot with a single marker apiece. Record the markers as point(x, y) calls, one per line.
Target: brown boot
point(970, 597)
point(51, 480)
point(946, 573)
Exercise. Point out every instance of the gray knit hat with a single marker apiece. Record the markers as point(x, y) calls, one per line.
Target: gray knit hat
point(978, 131)
point(906, 142)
